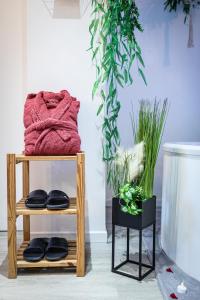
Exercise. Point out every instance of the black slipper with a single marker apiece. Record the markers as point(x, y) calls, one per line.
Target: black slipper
point(36, 199)
point(36, 249)
point(57, 249)
point(57, 200)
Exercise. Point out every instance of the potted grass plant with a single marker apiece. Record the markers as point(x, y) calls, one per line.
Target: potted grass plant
point(131, 174)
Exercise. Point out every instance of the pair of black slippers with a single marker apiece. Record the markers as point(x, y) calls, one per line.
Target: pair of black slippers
point(54, 200)
point(51, 249)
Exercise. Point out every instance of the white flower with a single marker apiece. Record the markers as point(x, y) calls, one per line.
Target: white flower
point(132, 159)
point(120, 156)
point(136, 161)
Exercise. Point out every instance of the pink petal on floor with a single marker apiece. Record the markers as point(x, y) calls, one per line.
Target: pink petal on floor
point(169, 270)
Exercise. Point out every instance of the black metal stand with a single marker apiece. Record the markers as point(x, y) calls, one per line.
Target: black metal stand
point(128, 260)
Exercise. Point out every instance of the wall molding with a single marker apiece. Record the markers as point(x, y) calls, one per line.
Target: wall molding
point(90, 237)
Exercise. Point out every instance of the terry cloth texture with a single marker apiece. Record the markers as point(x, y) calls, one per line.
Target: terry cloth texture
point(50, 121)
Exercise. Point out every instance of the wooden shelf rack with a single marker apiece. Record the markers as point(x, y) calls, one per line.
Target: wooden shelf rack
point(76, 255)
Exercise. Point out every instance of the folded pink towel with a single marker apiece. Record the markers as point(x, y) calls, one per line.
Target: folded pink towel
point(50, 121)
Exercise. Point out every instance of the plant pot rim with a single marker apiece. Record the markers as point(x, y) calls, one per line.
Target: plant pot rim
point(146, 199)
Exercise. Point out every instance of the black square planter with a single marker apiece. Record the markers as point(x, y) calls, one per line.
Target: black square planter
point(145, 219)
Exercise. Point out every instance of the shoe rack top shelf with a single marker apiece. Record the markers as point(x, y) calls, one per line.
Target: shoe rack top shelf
point(21, 157)
point(21, 209)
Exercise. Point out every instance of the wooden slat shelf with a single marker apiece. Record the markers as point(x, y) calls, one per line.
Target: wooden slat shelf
point(76, 256)
point(21, 158)
point(21, 209)
point(69, 261)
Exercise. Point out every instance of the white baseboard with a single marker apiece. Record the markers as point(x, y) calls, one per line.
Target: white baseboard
point(90, 237)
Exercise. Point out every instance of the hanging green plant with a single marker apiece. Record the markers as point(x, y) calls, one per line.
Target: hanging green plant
point(187, 6)
point(114, 50)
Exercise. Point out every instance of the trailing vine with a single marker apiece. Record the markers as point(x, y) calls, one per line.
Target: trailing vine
point(132, 196)
point(114, 51)
point(187, 5)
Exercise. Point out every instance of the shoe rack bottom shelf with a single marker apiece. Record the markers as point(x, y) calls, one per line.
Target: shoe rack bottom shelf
point(70, 261)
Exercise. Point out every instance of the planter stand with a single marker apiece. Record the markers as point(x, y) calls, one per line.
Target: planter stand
point(120, 222)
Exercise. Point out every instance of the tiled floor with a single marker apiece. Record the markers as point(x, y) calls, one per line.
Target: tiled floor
point(99, 282)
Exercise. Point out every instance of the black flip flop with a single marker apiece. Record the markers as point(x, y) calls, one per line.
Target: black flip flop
point(36, 199)
point(57, 200)
point(57, 249)
point(36, 249)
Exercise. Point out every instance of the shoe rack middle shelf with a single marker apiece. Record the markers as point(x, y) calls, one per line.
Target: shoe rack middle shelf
point(21, 209)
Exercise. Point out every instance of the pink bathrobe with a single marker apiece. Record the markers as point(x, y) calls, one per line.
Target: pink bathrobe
point(50, 121)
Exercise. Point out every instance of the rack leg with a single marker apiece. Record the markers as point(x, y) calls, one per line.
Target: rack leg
point(127, 243)
point(140, 254)
point(113, 247)
point(80, 270)
point(154, 245)
point(11, 206)
point(26, 219)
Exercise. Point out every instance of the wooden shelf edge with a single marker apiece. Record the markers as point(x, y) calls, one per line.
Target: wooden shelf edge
point(20, 157)
point(50, 213)
point(64, 263)
point(22, 210)
point(69, 262)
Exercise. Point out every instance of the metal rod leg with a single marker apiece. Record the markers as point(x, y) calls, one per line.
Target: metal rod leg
point(154, 244)
point(127, 243)
point(140, 254)
point(113, 246)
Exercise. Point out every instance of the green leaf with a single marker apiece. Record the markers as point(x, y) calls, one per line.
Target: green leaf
point(124, 209)
point(108, 136)
point(130, 79)
point(140, 59)
point(138, 48)
point(126, 48)
point(106, 124)
point(114, 93)
point(125, 75)
point(119, 80)
point(142, 74)
point(99, 109)
point(131, 61)
point(95, 53)
point(96, 23)
point(103, 95)
point(91, 26)
point(98, 70)
point(108, 106)
point(105, 77)
point(111, 87)
point(116, 134)
point(95, 87)
point(100, 6)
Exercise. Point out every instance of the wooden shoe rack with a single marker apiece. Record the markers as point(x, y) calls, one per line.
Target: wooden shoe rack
point(76, 252)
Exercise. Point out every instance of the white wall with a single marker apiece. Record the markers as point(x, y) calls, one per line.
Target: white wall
point(12, 29)
point(172, 71)
point(56, 58)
